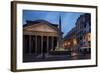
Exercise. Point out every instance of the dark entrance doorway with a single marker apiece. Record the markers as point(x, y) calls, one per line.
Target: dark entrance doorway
point(38, 44)
point(44, 44)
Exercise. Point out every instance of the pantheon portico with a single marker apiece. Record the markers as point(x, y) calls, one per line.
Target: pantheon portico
point(39, 37)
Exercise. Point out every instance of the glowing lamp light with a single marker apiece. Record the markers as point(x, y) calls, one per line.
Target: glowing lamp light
point(65, 44)
point(74, 41)
point(69, 43)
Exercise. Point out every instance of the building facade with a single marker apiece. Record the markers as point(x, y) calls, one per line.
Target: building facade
point(80, 35)
point(70, 40)
point(83, 27)
point(40, 37)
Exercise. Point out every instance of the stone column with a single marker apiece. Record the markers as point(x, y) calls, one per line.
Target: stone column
point(24, 42)
point(41, 44)
point(52, 38)
point(29, 44)
point(36, 45)
point(47, 44)
point(57, 43)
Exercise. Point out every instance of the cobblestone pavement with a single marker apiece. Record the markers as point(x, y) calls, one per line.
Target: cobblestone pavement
point(48, 57)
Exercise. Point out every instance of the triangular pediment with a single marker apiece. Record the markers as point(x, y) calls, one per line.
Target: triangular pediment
point(40, 27)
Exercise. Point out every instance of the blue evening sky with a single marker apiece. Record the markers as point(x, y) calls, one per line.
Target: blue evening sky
point(68, 19)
